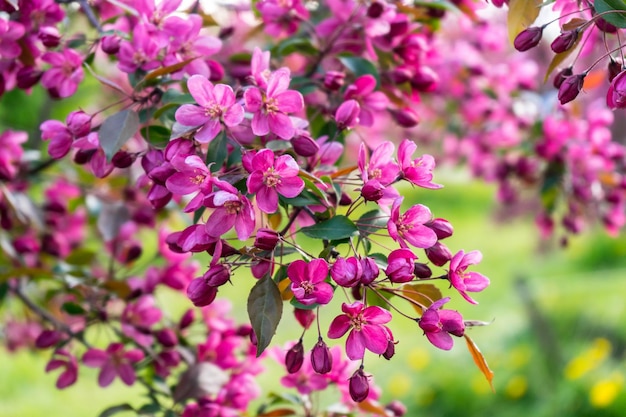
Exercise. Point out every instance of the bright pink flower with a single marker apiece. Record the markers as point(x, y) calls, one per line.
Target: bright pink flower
point(367, 330)
point(417, 171)
point(271, 109)
point(10, 33)
point(66, 73)
point(64, 359)
point(282, 16)
point(381, 166)
point(139, 317)
point(11, 152)
point(217, 105)
point(231, 209)
point(347, 272)
point(193, 176)
point(616, 95)
point(140, 53)
point(467, 281)
point(370, 101)
point(401, 265)
point(61, 136)
point(271, 176)
point(308, 281)
point(409, 227)
point(438, 324)
point(347, 114)
point(260, 66)
point(90, 144)
point(115, 361)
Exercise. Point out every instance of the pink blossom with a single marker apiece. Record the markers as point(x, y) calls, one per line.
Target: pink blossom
point(11, 152)
point(272, 176)
point(271, 108)
point(64, 359)
point(616, 94)
point(305, 380)
point(370, 101)
point(139, 317)
point(380, 166)
point(115, 361)
point(217, 104)
point(467, 281)
point(140, 53)
point(347, 272)
point(61, 137)
point(231, 209)
point(367, 330)
point(260, 66)
point(409, 227)
point(308, 281)
point(282, 17)
point(417, 171)
point(90, 144)
point(66, 73)
point(10, 33)
point(439, 324)
point(401, 265)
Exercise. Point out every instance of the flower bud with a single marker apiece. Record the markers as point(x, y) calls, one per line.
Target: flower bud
point(321, 358)
point(422, 270)
point(614, 68)
point(439, 254)
point(604, 26)
point(167, 337)
point(200, 293)
point(123, 159)
point(28, 77)
point(346, 272)
point(397, 408)
point(345, 199)
point(405, 117)
point(373, 190)
point(110, 44)
point(266, 239)
point(294, 358)
point(359, 386)
point(400, 75)
point(528, 38)
point(132, 254)
point(570, 88)
point(347, 114)
point(217, 70)
point(616, 94)
point(49, 36)
point(304, 145)
point(565, 41)
point(425, 79)
point(370, 271)
point(333, 80)
point(186, 319)
point(390, 351)
point(441, 227)
point(217, 275)
point(561, 76)
point(79, 123)
point(304, 317)
point(47, 338)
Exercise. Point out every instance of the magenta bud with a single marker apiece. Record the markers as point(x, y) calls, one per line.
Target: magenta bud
point(422, 270)
point(167, 337)
point(604, 26)
point(528, 38)
point(47, 338)
point(397, 408)
point(561, 76)
point(439, 254)
point(200, 293)
point(359, 386)
point(370, 270)
point(405, 117)
point(49, 36)
point(294, 358)
point(79, 123)
point(571, 87)
point(345, 199)
point(304, 317)
point(123, 159)
point(616, 94)
point(26, 244)
point(400, 75)
point(83, 156)
point(614, 68)
point(375, 10)
point(226, 32)
point(565, 41)
point(266, 239)
point(333, 80)
point(133, 253)
point(347, 114)
point(110, 44)
point(425, 79)
point(441, 227)
point(373, 190)
point(390, 351)
point(186, 319)
point(217, 71)
point(346, 272)
point(28, 77)
point(321, 358)
point(217, 275)
point(304, 145)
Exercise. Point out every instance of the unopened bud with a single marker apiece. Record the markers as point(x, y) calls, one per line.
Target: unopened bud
point(28, 77)
point(565, 41)
point(439, 254)
point(110, 44)
point(294, 358)
point(200, 293)
point(305, 145)
point(370, 270)
point(333, 80)
point(266, 239)
point(304, 317)
point(372, 190)
point(604, 26)
point(49, 36)
point(390, 351)
point(47, 338)
point(347, 114)
point(167, 337)
point(425, 79)
point(405, 117)
point(321, 358)
point(186, 319)
point(217, 275)
point(441, 227)
point(528, 38)
point(397, 408)
point(217, 70)
point(123, 159)
point(132, 254)
point(84, 155)
point(561, 76)
point(359, 386)
point(422, 270)
point(571, 87)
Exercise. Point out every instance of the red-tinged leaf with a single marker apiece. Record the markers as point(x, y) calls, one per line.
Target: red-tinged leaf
point(342, 172)
point(373, 407)
point(559, 58)
point(167, 70)
point(522, 13)
point(116, 130)
point(573, 24)
point(278, 413)
point(265, 309)
point(25, 272)
point(480, 361)
point(422, 294)
point(121, 288)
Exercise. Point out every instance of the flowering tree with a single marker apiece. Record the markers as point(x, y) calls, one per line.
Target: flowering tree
point(256, 146)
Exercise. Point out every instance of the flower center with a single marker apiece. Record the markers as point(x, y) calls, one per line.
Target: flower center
point(232, 207)
point(402, 226)
point(214, 110)
point(307, 287)
point(375, 173)
point(139, 58)
point(358, 322)
point(271, 178)
point(271, 105)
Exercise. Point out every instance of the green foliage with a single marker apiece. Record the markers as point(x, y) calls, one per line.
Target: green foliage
point(265, 308)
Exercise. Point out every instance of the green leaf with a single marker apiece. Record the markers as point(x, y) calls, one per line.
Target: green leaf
point(616, 19)
point(116, 130)
point(73, 309)
point(115, 410)
point(560, 57)
point(217, 152)
point(305, 198)
point(372, 222)
point(80, 256)
point(335, 228)
point(265, 308)
point(176, 97)
point(158, 136)
point(149, 409)
point(360, 66)
point(291, 45)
